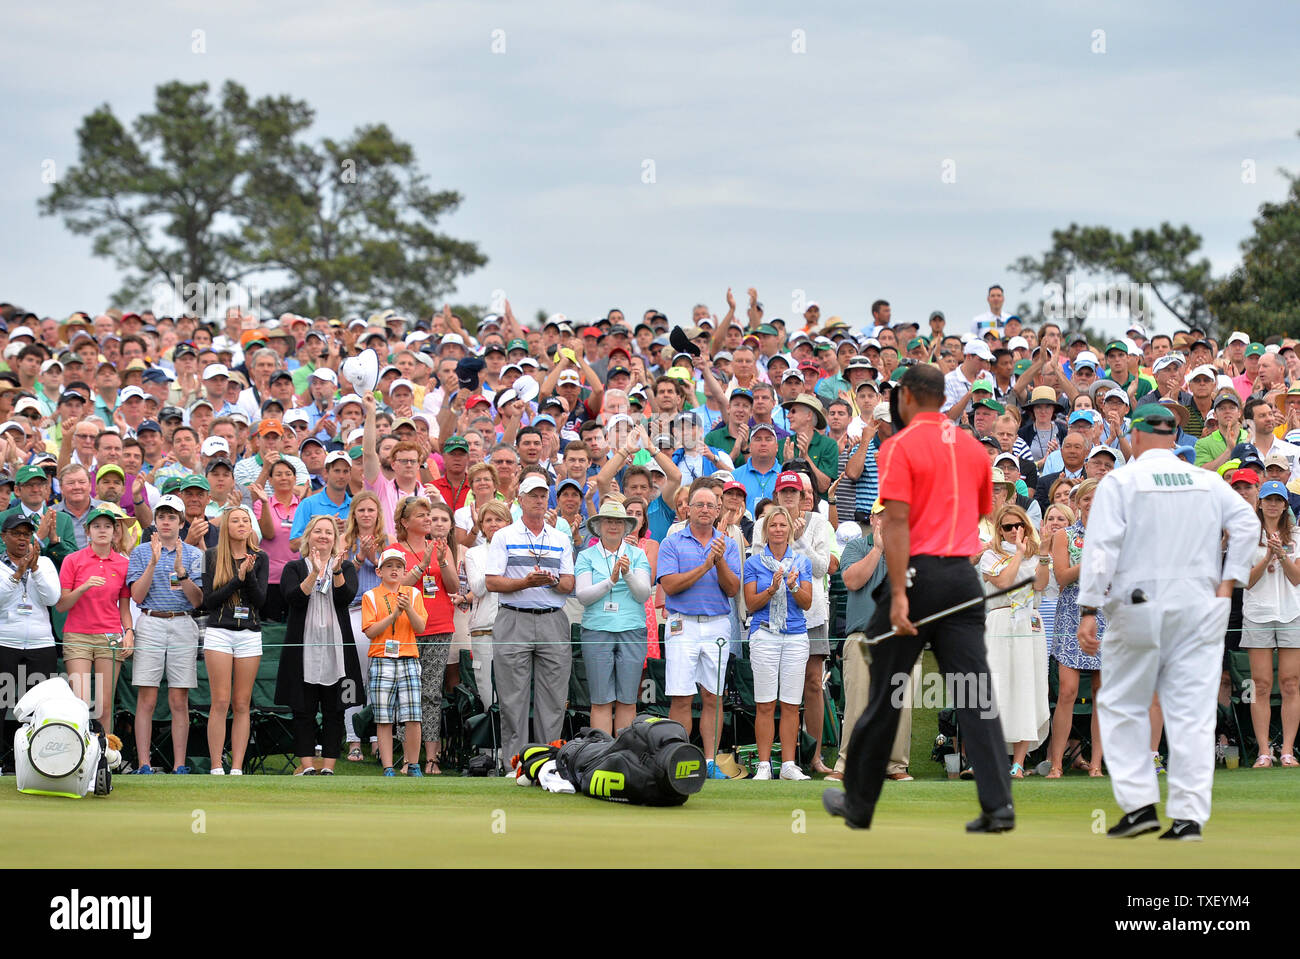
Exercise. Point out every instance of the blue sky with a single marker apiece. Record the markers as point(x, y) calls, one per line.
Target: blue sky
point(816, 171)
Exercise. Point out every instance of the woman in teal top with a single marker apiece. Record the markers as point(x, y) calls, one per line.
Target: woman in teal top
point(612, 581)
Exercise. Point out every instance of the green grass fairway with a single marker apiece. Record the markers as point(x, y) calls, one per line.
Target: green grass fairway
point(365, 820)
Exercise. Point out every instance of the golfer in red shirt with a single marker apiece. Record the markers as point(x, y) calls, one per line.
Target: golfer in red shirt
point(935, 482)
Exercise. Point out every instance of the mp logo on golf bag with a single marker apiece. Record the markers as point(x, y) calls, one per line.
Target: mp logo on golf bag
point(605, 783)
point(686, 768)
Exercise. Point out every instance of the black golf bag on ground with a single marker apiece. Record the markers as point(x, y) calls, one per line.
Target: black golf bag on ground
point(651, 763)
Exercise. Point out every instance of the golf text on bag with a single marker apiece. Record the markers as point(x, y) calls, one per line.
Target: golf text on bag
point(958, 690)
point(78, 913)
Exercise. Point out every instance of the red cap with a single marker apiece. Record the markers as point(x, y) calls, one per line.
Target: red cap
point(1242, 476)
point(619, 349)
point(809, 366)
point(735, 485)
point(476, 399)
point(789, 480)
point(592, 331)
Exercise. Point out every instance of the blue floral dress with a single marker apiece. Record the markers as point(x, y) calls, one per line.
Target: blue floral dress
point(1065, 645)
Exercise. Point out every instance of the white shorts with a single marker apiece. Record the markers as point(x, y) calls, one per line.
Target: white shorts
point(779, 661)
point(239, 643)
point(692, 654)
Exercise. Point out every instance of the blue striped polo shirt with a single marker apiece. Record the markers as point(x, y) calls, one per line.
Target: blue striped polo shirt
point(162, 598)
point(515, 551)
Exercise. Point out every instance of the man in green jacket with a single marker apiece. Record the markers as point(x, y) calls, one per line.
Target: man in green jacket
point(54, 528)
point(807, 419)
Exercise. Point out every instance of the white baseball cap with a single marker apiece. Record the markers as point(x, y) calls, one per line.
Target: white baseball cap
point(171, 501)
point(22, 331)
point(978, 348)
point(531, 483)
point(1166, 361)
point(27, 403)
point(392, 554)
point(1236, 337)
point(356, 436)
point(1139, 329)
point(336, 457)
point(214, 445)
point(213, 370)
point(881, 412)
point(569, 376)
point(452, 339)
point(326, 374)
point(49, 365)
point(1017, 343)
point(1204, 370)
point(1117, 394)
point(296, 416)
point(402, 381)
point(129, 392)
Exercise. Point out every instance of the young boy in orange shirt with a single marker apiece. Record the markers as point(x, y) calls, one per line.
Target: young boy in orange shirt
point(394, 659)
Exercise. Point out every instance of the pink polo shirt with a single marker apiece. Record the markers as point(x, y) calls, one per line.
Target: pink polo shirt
point(97, 611)
point(277, 550)
point(386, 490)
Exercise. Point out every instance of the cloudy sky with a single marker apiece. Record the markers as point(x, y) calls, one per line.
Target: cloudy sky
point(795, 147)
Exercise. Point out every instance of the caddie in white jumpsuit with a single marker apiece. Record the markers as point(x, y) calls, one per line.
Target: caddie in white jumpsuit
point(1156, 527)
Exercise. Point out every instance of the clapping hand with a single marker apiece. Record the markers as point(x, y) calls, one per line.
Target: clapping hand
point(792, 579)
point(246, 566)
point(403, 602)
point(94, 581)
point(718, 551)
point(47, 525)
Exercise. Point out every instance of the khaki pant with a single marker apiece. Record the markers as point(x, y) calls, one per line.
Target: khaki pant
point(857, 683)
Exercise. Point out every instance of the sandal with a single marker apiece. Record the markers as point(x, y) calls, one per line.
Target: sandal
point(1095, 772)
point(820, 767)
point(354, 754)
point(1017, 771)
point(1265, 761)
point(431, 768)
point(1053, 773)
point(1289, 760)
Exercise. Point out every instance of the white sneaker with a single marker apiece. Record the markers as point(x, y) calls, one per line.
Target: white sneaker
point(236, 772)
point(792, 771)
point(763, 771)
point(218, 771)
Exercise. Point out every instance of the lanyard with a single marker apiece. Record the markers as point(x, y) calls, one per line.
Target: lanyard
point(534, 549)
point(13, 566)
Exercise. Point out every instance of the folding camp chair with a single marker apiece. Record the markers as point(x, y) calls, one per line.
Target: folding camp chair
point(1243, 692)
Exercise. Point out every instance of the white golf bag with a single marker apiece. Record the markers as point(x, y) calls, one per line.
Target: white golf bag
point(56, 751)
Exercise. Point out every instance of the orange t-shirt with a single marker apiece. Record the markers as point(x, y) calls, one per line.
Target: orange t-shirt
point(377, 604)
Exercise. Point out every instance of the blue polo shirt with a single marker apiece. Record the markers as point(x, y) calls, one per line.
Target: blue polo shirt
point(319, 504)
point(758, 485)
point(162, 597)
point(680, 553)
point(761, 577)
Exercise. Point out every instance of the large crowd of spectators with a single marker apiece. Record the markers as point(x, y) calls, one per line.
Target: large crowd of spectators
point(678, 491)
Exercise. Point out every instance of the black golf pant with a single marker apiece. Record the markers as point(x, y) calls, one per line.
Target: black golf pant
point(958, 644)
point(325, 699)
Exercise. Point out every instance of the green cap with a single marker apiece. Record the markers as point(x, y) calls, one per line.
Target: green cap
point(897, 375)
point(982, 384)
point(1021, 366)
point(97, 513)
point(1255, 349)
point(767, 329)
point(517, 345)
point(356, 452)
point(1117, 345)
point(193, 481)
point(1153, 418)
point(822, 347)
point(26, 473)
point(455, 443)
point(916, 341)
point(992, 404)
point(170, 485)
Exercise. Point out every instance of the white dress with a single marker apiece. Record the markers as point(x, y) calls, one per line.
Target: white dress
point(1017, 655)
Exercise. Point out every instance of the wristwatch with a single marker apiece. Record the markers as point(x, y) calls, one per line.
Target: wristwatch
point(1087, 610)
point(183, 574)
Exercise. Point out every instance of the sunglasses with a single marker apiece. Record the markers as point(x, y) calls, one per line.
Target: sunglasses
point(1008, 527)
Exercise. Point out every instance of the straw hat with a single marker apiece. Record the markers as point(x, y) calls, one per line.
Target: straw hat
point(609, 510)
